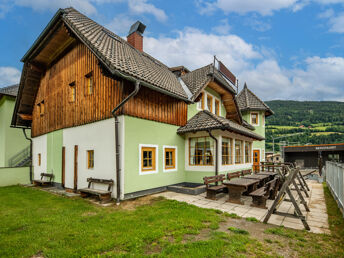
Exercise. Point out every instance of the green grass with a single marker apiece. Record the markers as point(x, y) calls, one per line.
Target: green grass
point(238, 231)
point(34, 222)
point(252, 219)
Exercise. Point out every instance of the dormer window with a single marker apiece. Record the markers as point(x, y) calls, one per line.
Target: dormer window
point(72, 92)
point(210, 103)
point(89, 83)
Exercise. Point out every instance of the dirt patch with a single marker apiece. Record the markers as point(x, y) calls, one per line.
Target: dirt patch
point(134, 203)
point(89, 213)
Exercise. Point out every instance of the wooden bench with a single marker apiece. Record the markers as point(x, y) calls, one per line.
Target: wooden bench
point(233, 175)
point(212, 190)
point(46, 179)
point(260, 195)
point(103, 195)
point(246, 172)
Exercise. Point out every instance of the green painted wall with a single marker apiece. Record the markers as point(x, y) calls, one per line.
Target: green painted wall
point(141, 131)
point(12, 140)
point(54, 154)
point(192, 109)
point(14, 176)
point(260, 129)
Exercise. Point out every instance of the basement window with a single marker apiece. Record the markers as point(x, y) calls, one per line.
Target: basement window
point(89, 83)
point(72, 92)
point(90, 159)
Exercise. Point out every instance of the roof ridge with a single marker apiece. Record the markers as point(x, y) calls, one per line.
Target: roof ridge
point(257, 98)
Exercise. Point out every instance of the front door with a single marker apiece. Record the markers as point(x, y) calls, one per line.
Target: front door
point(256, 160)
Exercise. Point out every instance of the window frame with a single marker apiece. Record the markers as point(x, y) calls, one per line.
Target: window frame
point(155, 157)
point(251, 115)
point(249, 144)
point(211, 105)
point(230, 156)
point(89, 165)
point(175, 161)
point(217, 109)
point(39, 159)
point(41, 109)
point(212, 147)
point(72, 92)
point(241, 152)
point(89, 78)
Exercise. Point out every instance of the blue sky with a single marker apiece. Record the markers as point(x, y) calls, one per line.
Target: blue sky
point(283, 49)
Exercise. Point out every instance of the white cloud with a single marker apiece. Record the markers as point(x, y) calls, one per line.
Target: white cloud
point(337, 23)
point(319, 79)
point(120, 25)
point(8, 76)
point(141, 7)
point(84, 6)
point(193, 48)
point(223, 27)
point(264, 7)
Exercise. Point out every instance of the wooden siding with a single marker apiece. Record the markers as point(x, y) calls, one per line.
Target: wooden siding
point(60, 112)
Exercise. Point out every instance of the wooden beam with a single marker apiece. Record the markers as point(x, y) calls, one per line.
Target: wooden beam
point(26, 117)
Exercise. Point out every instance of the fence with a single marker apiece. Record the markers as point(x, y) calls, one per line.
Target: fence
point(335, 181)
point(14, 176)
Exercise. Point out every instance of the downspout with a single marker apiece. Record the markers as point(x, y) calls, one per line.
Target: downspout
point(117, 146)
point(216, 153)
point(29, 139)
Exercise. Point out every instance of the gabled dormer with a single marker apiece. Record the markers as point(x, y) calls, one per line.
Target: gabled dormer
point(212, 91)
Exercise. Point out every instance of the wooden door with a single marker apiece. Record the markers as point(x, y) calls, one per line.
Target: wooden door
point(256, 160)
point(63, 165)
point(75, 167)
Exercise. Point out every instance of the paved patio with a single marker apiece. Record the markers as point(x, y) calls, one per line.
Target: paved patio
point(317, 217)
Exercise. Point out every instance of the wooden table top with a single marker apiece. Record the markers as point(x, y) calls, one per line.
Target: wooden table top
point(257, 176)
point(270, 173)
point(241, 182)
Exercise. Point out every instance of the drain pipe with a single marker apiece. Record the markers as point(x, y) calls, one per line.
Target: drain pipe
point(29, 139)
point(216, 154)
point(118, 176)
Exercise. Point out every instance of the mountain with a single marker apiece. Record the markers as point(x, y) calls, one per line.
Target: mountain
point(316, 122)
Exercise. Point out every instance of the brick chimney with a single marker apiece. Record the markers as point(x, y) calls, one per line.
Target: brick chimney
point(135, 37)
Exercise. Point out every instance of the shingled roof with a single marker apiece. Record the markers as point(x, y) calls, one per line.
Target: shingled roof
point(205, 120)
point(197, 79)
point(117, 54)
point(247, 100)
point(10, 90)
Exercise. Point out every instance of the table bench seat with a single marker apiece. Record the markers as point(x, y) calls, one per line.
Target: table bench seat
point(213, 190)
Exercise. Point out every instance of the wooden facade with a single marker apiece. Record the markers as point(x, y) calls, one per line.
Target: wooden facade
point(74, 68)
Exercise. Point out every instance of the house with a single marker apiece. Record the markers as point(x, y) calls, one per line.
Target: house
point(274, 157)
point(99, 106)
point(14, 148)
point(254, 111)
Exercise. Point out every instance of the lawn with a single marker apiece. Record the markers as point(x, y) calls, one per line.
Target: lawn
point(37, 223)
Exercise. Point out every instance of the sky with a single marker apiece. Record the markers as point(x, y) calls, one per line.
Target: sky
point(282, 49)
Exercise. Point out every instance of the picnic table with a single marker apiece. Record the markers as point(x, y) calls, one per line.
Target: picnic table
point(236, 187)
point(269, 173)
point(261, 177)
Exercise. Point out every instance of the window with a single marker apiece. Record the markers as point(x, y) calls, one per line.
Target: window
point(254, 118)
point(248, 152)
point(148, 159)
point(89, 83)
point(201, 151)
point(170, 163)
point(201, 102)
point(90, 159)
point(226, 151)
point(217, 107)
point(39, 159)
point(238, 152)
point(72, 93)
point(210, 103)
point(41, 108)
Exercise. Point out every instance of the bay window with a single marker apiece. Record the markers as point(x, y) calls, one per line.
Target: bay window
point(201, 151)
